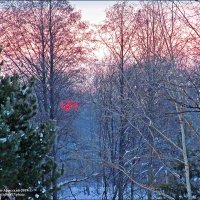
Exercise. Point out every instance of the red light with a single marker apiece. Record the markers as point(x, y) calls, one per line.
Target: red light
point(69, 105)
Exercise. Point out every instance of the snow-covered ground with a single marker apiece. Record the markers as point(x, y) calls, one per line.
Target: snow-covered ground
point(81, 193)
point(78, 193)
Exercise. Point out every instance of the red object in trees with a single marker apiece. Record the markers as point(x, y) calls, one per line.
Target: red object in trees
point(69, 105)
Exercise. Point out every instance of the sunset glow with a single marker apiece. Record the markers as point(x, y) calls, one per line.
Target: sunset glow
point(69, 105)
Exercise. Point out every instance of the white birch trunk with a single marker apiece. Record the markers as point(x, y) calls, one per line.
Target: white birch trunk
point(185, 156)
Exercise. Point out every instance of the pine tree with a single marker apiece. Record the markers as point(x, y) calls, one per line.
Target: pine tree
point(24, 147)
point(176, 187)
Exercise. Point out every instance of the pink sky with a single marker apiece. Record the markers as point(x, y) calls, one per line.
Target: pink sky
point(92, 11)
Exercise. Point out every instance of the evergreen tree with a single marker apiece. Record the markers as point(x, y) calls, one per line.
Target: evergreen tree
point(24, 147)
point(176, 187)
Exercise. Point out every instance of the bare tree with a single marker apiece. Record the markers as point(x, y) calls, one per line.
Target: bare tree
point(49, 40)
point(117, 35)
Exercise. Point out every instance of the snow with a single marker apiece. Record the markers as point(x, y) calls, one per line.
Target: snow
point(2, 140)
point(95, 174)
point(37, 196)
point(159, 170)
point(6, 112)
point(126, 152)
point(25, 90)
point(196, 179)
point(41, 135)
point(79, 193)
point(43, 190)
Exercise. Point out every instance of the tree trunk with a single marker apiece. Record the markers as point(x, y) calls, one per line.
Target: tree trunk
point(52, 102)
point(132, 190)
point(185, 156)
point(122, 114)
point(105, 196)
point(43, 63)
